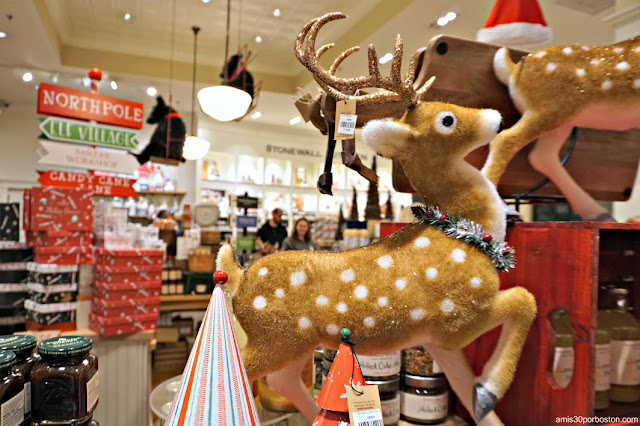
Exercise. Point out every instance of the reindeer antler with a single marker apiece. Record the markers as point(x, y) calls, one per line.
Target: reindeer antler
point(395, 89)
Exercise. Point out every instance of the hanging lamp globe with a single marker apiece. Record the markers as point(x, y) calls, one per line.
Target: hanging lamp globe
point(195, 148)
point(224, 103)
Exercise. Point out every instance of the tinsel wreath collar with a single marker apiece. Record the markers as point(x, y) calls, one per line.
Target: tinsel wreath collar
point(459, 228)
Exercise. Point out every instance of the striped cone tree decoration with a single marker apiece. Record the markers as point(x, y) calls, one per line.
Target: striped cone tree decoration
point(214, 389)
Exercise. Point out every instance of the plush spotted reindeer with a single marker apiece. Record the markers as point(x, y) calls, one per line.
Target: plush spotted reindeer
point(556, 89)
point(420, 286)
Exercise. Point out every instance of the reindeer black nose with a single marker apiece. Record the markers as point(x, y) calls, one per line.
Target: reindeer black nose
point(501, 126)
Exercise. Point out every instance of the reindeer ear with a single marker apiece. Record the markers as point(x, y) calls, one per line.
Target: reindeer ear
point(160, 100)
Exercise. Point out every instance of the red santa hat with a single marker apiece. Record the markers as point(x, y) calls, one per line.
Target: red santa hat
point(515, 22)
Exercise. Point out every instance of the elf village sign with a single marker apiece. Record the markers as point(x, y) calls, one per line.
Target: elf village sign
point(63, 129)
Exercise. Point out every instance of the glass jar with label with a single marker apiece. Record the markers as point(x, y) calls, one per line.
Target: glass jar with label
point(389, 391)
point(380, 366)
point(424, 400)
point(603, 366)
point(564, 355)
point(418, 362)
point(64, 383)
point(22, 346)
point(11, 391)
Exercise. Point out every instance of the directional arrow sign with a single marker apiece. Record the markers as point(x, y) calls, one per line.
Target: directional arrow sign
point(64, 129)
point(106, 186)
point(75, 156)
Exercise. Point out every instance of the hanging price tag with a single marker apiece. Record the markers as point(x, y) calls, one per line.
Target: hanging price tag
point(345, 119)
point(364, 408)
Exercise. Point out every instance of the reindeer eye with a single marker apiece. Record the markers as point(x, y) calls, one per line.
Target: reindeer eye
point(445, 122)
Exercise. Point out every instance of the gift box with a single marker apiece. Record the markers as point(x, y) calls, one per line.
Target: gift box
point(9, 221)
point(64, 255)
point(62, 238)
point(60, 209)
point(125, 274)
point(115, 240)
point(52, 274)
point(129, 256)
point(114, 326)
point(114, 291)
point(118, 308)
point(50, 313)
point(59, 293)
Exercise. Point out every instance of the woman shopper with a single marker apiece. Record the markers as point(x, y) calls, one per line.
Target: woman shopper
point(301, 238)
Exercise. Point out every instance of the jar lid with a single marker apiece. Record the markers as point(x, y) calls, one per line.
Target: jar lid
point(390, 385)
point(65, 346)
point(17, 342)
point(318, 353)
point(428, 382)
point(7, 359)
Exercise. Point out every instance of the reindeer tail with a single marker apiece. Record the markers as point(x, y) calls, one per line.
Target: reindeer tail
point(226, 261)
point(503, 66)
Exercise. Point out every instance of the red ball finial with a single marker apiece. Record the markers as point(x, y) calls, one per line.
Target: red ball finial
point(443, 217)
point(487, 238)
point(95, 74)
point(220, 277)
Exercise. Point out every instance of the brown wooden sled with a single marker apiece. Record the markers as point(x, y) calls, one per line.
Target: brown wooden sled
point(603, 162)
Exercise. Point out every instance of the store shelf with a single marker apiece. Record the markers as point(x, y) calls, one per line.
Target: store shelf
point(620, 410)
point(164, 193)
point(184, 303)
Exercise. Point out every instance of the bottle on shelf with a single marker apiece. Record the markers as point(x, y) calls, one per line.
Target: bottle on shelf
point(624, 331)
point(564, 356)
point(603, 366)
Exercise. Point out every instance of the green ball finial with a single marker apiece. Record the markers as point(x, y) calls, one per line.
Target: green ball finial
point(345, 334)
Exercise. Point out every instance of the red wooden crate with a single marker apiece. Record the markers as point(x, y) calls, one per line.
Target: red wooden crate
point(62, 238)
point(64, 255)
point(129, 256)
point(113, 291)
point(122, 325)
point(118, 308)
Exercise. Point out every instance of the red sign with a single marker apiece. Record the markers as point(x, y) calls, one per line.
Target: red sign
point(72, 103)
point(105, 186)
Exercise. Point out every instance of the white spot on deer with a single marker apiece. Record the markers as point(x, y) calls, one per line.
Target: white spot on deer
point(298, 278)
point(585, 48)
point(263, 271)
point(595, 61)
point(636, 83)
point(567, 50)
point(361, 292)
point(551, 66)
point(347, 275)
point(401, 283)
point(432, 273)
point(622, 66)
point(341, 307)
point(417, 314)
point(606, 85)
point(304, 322)
point(332, 329)
point(476, 281)
point(280, 293)
point(383, 301)
point(259, 302)
point(580, 72)
point(458, 255)
point(369, 321)
point(637, 49)
point(322, 300)
point(385, 261)
point(447, 305)
point(540, 54)
point(422, 242)
point(618, 50)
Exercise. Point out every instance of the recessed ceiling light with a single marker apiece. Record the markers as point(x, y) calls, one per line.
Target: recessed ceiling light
point(55, 78)
point(258, 39)
point(451, 16)
point(276, 13)
point(442, 21)
point(206, 1)
point(127, 16)
point(256, 114)
point(151, 91)
point(3, 34)
point(114, 85)
point(295, 120)
point(27, 76)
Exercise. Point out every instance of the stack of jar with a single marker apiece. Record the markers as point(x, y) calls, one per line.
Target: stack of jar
point(57, 385)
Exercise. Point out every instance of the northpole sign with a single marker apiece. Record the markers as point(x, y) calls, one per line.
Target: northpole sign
point(106, 186)
point(64, 129)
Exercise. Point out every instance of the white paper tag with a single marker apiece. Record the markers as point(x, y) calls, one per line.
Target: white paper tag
point(12, 411)
point(27, 398)
point(563, 366)
point(380, 365)
point(347, 124)
point(625, 362)
point(367, 418)
point(93, 391)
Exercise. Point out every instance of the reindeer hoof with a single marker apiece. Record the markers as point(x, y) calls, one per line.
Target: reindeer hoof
point(325, 181)
point(483, 402)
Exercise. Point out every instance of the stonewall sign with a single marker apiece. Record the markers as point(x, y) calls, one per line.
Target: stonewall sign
point(64, 129)
point(66, 102)
point(105, 186)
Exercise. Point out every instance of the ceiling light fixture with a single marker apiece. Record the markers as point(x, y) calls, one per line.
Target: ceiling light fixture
point(27, 76)
point(256, 114)
point(276, 13)
point(451, 16)
point(151, 91)
point(127, 16)
point(114, 85)
point(194, 147)
point(295, 120)
point(258, 39)
point(3, 34)
point(442, 21)
point(206, 1)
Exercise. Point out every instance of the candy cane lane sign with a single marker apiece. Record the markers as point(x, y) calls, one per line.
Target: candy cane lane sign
point(79, 157)
point(65, 102)
point(106, 186)
point(64, 129)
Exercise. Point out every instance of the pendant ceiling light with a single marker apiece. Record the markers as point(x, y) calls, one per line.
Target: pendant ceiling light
point(233, 97)
point(194, 147)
